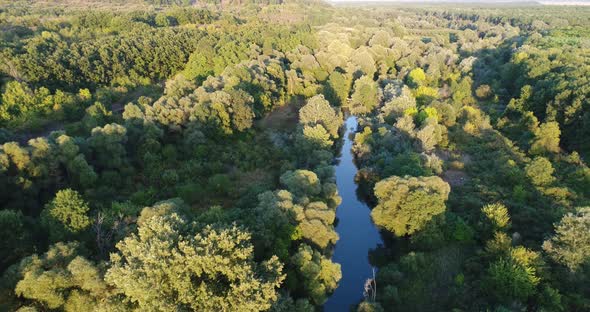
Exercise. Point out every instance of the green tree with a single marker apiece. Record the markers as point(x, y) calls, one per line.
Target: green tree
point(317, 227)
point(497, 215)
point(398, 105)
point(430, 134)
point(273, 223)
point(96, 115)
point(162, 208)
point(16, 240)
point(484, 92)
point(515, 275)
point(318, 111)
point(364, 61)
point(507, 281)
point(108, 145)
point(179, 86)
point(14, 157)
point(570, 245)
point(382, 38)
point(163, 20)
point(367, 306)
point(78, 170)
point(313, 138)
point(405, 205)
point(416, 78)
point(224, 111)
point(170, 265)
point(242, 115)
point(66, 215)
point(366, 95)
point(338, 88)
point(21, 103)
point(540, 171)
point(520, 104)
point(287, 304)
point(546, 139)
point(16, 100)
point(301, 182)
point(320, 275)
point(62, 279)
point(461, 92)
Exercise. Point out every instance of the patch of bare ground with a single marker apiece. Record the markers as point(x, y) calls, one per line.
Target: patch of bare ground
point(455, 177)
point(283, 118)
point(454, 174)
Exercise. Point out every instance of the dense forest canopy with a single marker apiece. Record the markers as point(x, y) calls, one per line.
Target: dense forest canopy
point(176, 155)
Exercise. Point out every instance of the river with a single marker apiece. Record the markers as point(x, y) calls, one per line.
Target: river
point(357, 232)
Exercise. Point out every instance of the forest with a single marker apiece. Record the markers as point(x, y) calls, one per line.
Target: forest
point(178, 155)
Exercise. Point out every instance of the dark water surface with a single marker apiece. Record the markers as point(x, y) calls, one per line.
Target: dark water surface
point(357, 233)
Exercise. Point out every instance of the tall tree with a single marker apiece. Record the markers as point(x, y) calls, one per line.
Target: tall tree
point(338, 88)
point(570, 245)
point(320, 275)
point(406, 205)
point(301, 182)
point(171, 264)
point(366, 95)
point(318, 111)
point(66, 215)
point(546, 139)
point(540, 171)
point(63, 279)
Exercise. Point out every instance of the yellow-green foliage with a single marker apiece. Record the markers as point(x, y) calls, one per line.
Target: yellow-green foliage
point(320, 275)
point(497, 214)
point(407, 204)
point(66, 214)
point(417, 77)
point(62, 279)
point(570, 246)
point(166, 266)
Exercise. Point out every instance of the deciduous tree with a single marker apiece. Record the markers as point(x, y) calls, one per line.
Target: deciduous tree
point(66, 215)
point(546, 139)
point(540, 171)
point(570, 245)
point(318, 111)
point(301, 182)
point(320, 275)
point(406, 204)
point(62, 279)
point(366, 95)
point(172, 265)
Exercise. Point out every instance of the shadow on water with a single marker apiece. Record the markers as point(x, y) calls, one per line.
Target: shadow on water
point(358, 235)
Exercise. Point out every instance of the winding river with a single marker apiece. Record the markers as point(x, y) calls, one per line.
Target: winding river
point(357, 232)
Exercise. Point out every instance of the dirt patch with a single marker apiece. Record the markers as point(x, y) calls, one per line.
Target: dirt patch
point(282, 118)
point(455, 163)
point(455, 177)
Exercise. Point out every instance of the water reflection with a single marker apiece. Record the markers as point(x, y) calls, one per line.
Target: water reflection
point(358, 234)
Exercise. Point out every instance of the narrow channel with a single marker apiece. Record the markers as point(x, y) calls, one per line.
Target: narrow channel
point(357, 232)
